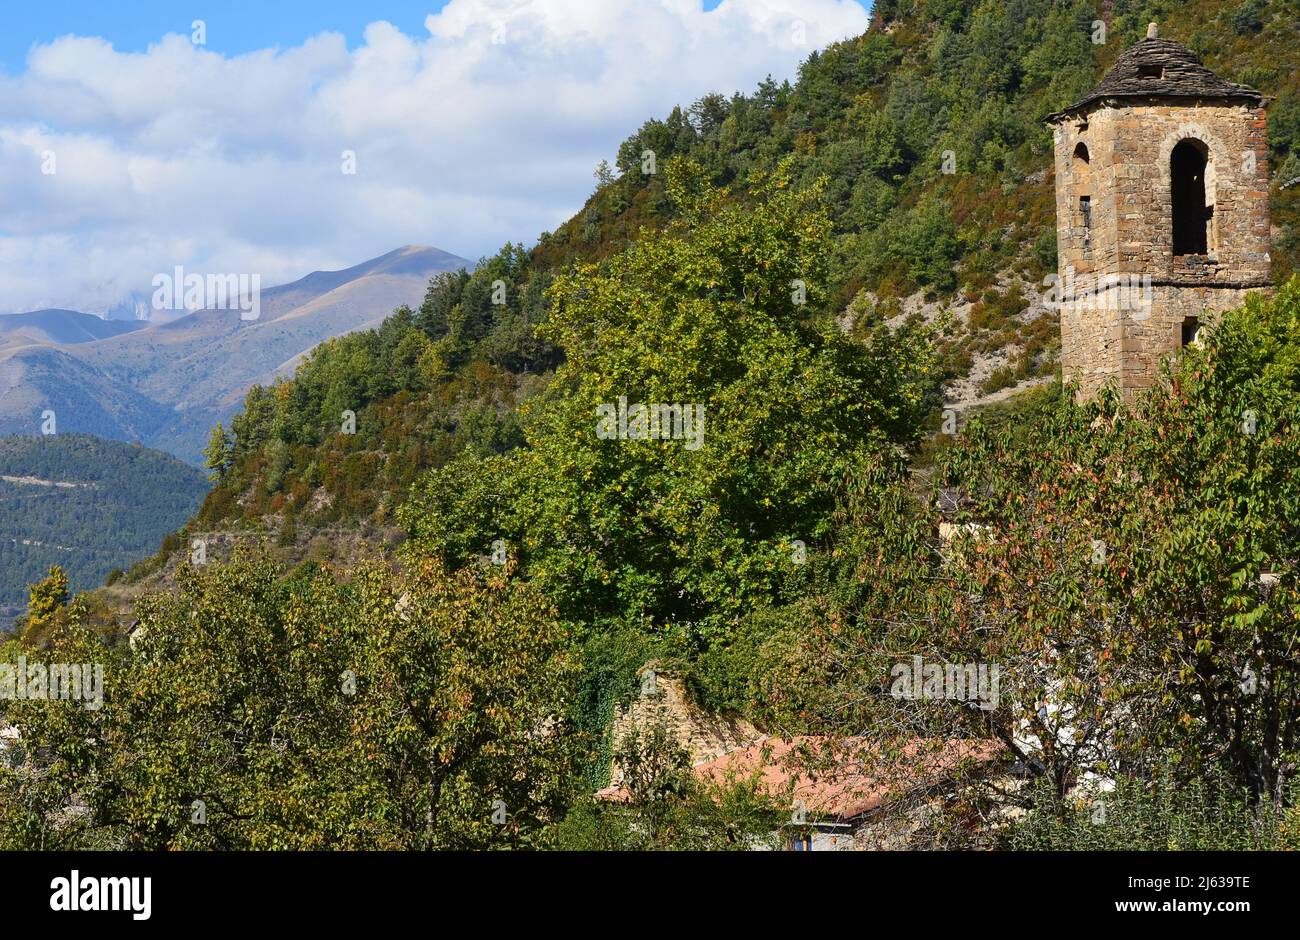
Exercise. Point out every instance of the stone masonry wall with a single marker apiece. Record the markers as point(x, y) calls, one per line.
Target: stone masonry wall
point(1122, 334)
point(702, 735)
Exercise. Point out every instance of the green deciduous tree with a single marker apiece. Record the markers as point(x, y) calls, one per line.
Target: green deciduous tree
point(676, 533)
point(1128, 568)
point(412, 710)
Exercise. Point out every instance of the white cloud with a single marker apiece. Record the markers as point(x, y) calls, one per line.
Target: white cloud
point(484, 130)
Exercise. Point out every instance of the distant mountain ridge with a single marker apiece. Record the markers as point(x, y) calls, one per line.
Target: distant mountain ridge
point(166, 383)
point(409, 260)
point(65, 327)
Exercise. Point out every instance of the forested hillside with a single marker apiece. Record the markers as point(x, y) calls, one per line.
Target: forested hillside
point(85, 504)
point(800, 276)
point(874, 117)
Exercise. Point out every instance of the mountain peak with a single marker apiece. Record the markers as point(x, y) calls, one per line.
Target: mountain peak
point(422, 260)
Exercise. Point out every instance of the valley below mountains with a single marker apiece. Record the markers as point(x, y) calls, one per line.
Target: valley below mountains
point(85, 504)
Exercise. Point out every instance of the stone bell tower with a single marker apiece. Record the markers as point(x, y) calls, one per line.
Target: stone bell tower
point(1161, 211)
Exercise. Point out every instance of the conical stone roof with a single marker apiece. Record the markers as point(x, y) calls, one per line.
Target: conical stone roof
point(1161, 68)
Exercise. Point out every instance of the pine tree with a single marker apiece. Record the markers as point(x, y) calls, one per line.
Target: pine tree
point(220, 454)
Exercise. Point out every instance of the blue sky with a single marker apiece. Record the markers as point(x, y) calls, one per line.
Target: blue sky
point(127, 149)
point(234, 26)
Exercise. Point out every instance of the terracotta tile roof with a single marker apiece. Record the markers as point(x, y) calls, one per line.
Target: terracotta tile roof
point(844, 779)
